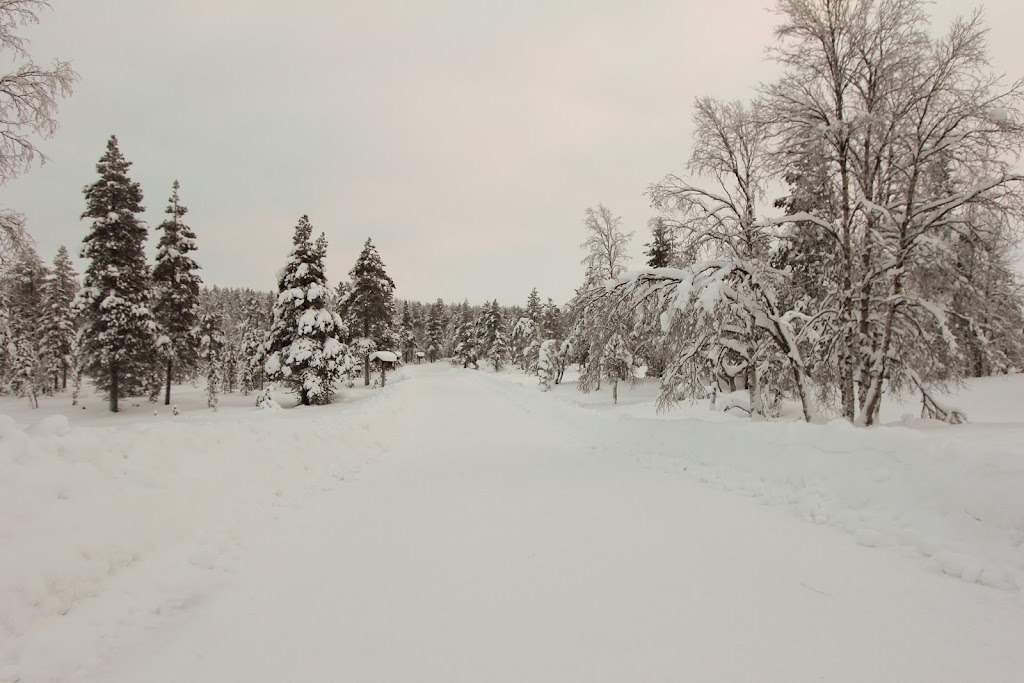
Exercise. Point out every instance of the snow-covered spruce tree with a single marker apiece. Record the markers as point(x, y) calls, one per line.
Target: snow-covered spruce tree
point(500, 351)
point(255, 325)
point(435, 330)
point(118, 329)
point(467, 344)
point(212, 344)
point(547, 364)
point(551, 321)
point(230, 365)
point(304, 347)
point(22, 289)
point(252, 361)
point(407, 334)
point(370, 303)
point(28, 372)
point(492, 323)
point(661, 250)
point(57, 323)
point(176, 286)
point(534, 308)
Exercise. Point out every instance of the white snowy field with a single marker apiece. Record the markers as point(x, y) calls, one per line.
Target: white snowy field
point(463, 526)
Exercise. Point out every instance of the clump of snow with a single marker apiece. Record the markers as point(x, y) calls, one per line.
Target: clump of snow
point(51, 425)
point(266, 400)
point(998, 115)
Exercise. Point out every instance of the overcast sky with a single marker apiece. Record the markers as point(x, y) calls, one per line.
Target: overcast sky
point(465, 137)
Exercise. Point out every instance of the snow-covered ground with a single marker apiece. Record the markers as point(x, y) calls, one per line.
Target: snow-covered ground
point(461, 525)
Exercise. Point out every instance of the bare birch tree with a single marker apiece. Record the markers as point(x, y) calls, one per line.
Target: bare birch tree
point(605, 245)
point(28, 106)
point(892, 110)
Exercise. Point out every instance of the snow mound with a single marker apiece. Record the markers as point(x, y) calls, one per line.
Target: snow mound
point(54, 425)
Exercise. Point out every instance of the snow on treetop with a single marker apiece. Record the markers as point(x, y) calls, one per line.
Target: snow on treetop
point(385, 356)
point(998, 115)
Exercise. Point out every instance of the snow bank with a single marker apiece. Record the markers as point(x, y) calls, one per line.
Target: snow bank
point(952, 495)
point(90, 511)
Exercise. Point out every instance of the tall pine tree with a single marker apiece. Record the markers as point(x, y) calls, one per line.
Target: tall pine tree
point(58, 325)
point(534, 309)
point(118, 332)
point(211, 348)
point(370, 302)
point(304, 347)
point(435, 330)
point(407, 334)
point(23, 286)
point(176, 287)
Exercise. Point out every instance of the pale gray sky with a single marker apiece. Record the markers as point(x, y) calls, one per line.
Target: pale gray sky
point(465, 137)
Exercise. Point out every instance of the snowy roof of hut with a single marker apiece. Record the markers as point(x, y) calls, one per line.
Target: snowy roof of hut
point(386, 356)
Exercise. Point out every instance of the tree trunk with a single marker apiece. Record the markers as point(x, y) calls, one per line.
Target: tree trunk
point(615, 392)
point(113, 387)
point(64, 376)
point(366, 370)
point(754, 389)
point(167, 391)
point(56, 382)
point(383, 374)
point(801, 388)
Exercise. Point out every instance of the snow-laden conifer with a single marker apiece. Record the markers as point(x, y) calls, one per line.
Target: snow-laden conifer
point(304, 347)
point(23, 302)
point(118, 329)
point(212, 345)
point(369, 304)
point(176, 288)
point(57, 332)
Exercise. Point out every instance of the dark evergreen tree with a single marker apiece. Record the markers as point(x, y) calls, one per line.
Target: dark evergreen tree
point(58, 325)
point(534, 309)
point(341, 303)
point(407, 334)
point(492, 324)
point(435, 330)
point(23, 288)
point(211, 349)
point(466, 340)
point(304, 347)
point(25, 363)
point(370, 303)
point(500, 351)
point(176, 288)
point(551, 321)
point(662, 247)
point(118, 330)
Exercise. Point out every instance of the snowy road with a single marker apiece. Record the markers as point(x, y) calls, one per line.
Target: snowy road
point(494, 540)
